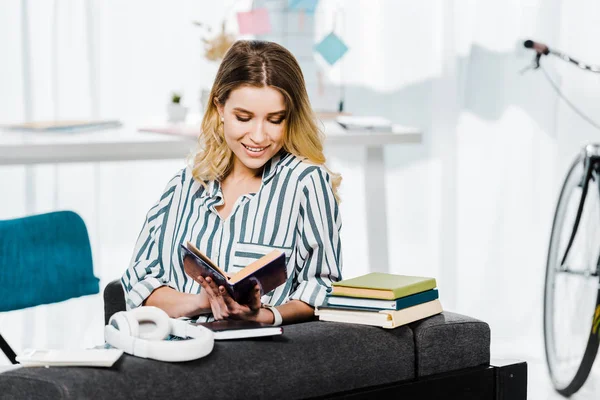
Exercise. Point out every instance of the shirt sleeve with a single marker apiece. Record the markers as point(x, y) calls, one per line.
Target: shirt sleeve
point(319, 257)
point(146, 271)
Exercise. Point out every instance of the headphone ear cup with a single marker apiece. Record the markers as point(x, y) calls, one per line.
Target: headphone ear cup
point(153, 322)
point(126, 331)
point(124, 323)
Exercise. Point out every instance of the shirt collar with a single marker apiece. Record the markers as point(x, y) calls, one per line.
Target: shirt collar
point(212, 190)
point(273, 165)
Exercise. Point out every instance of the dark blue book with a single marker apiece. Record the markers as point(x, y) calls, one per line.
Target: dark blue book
point(376, 304)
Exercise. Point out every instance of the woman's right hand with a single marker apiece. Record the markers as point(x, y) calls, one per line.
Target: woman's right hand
point(224, 306)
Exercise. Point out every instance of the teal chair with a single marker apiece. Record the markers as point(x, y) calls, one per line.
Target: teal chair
point(44, 259)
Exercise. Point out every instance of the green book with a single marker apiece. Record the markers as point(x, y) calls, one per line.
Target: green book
point(379, 285)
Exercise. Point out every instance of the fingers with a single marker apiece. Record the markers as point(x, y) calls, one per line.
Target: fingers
point(206, 285)
point(237, 310)
point(255, 301)
point(217, 303)
point(229, 301)
point(224, 306)
point(250, 309)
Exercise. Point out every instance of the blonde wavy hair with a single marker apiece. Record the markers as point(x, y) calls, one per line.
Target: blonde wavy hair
point(259, 64)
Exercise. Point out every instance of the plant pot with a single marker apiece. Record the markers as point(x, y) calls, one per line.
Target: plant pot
point(176, 112)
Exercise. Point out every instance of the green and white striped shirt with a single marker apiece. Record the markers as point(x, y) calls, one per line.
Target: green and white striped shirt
point(294, 211)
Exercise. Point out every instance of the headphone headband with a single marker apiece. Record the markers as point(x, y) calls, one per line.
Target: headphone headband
point(141, 332)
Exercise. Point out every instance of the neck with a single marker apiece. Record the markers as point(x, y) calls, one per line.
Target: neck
point(240, 172)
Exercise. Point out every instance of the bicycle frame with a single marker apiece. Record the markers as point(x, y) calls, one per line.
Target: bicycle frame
point(591, 161)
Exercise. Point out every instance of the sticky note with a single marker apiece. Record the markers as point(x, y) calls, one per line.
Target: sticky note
point(308, 6)
point(332, 48)
point(254, 22)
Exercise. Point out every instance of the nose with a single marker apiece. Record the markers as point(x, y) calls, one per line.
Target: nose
point(257, 134)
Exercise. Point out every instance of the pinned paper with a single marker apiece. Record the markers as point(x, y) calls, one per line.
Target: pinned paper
point(301, 20)
point(254, 22)
point(308, 6)
point(332, 48)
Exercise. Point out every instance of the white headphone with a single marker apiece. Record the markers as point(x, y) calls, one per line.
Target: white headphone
point(141, 332)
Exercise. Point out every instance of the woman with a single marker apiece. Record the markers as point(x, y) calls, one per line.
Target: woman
point(257, 183)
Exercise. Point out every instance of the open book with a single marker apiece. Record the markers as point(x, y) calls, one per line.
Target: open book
point(268, 271)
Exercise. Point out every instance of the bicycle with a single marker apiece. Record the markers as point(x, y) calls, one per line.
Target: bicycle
point(572, 335)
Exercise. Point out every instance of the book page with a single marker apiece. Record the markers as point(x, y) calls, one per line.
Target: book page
point(207, 260)
point(255, 266)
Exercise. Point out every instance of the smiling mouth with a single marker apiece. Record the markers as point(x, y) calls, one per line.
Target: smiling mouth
point(254, 149)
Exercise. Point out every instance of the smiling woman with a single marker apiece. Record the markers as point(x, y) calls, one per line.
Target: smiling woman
point(257, 182)
point(280, 100)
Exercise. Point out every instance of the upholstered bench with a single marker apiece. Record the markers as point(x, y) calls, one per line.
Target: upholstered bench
point(445, 356)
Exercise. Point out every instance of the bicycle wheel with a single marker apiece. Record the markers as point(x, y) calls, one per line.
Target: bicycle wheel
point(572, 294)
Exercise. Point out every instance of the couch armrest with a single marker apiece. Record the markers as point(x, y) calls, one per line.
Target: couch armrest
point(450, 341)
point(114, 299)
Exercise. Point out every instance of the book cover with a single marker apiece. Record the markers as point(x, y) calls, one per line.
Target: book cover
point(375, 304)
point(268, 271)
point(379, 285)
point(384, 318)
point(238, 329)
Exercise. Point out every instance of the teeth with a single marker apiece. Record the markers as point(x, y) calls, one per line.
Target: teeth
point(255, 149)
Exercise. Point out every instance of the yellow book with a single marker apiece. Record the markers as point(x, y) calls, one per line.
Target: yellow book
point(385, 318)
point(379, 285)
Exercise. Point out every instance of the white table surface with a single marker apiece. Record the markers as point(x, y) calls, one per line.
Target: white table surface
point(128, 144)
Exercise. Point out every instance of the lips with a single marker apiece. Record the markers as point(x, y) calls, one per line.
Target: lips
point(255, 149)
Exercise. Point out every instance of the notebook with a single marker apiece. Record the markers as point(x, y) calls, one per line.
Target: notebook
point(239, 329)
point(69, 358)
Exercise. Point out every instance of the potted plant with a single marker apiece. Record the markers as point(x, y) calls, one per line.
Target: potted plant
point(176, 111)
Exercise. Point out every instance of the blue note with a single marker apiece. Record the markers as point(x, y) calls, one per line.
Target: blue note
point(308, 6)
point(331, 48)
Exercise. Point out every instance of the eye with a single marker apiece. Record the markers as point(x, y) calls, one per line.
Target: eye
point(278, 121)
point(242, 119)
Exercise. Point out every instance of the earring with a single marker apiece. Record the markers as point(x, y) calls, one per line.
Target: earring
point(222, 119)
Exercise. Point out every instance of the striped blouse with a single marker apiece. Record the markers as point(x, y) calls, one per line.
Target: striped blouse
point(294, 211)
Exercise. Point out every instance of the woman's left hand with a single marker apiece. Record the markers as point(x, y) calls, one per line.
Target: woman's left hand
point(224, 306)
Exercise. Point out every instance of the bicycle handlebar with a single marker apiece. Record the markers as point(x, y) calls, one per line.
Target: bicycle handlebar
point(542, 49)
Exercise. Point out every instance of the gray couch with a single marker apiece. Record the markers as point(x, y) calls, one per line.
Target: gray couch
point(445, 356)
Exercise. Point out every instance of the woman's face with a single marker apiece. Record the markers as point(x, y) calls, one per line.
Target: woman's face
point(253, 125)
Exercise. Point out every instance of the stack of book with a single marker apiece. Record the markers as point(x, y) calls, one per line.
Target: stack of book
point(381, 299)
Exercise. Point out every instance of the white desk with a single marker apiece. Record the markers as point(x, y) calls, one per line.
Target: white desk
point(127, 144)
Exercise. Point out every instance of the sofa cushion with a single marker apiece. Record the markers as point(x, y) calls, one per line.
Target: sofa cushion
point(448, 342)
point(114, 300)
point(310, 359)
